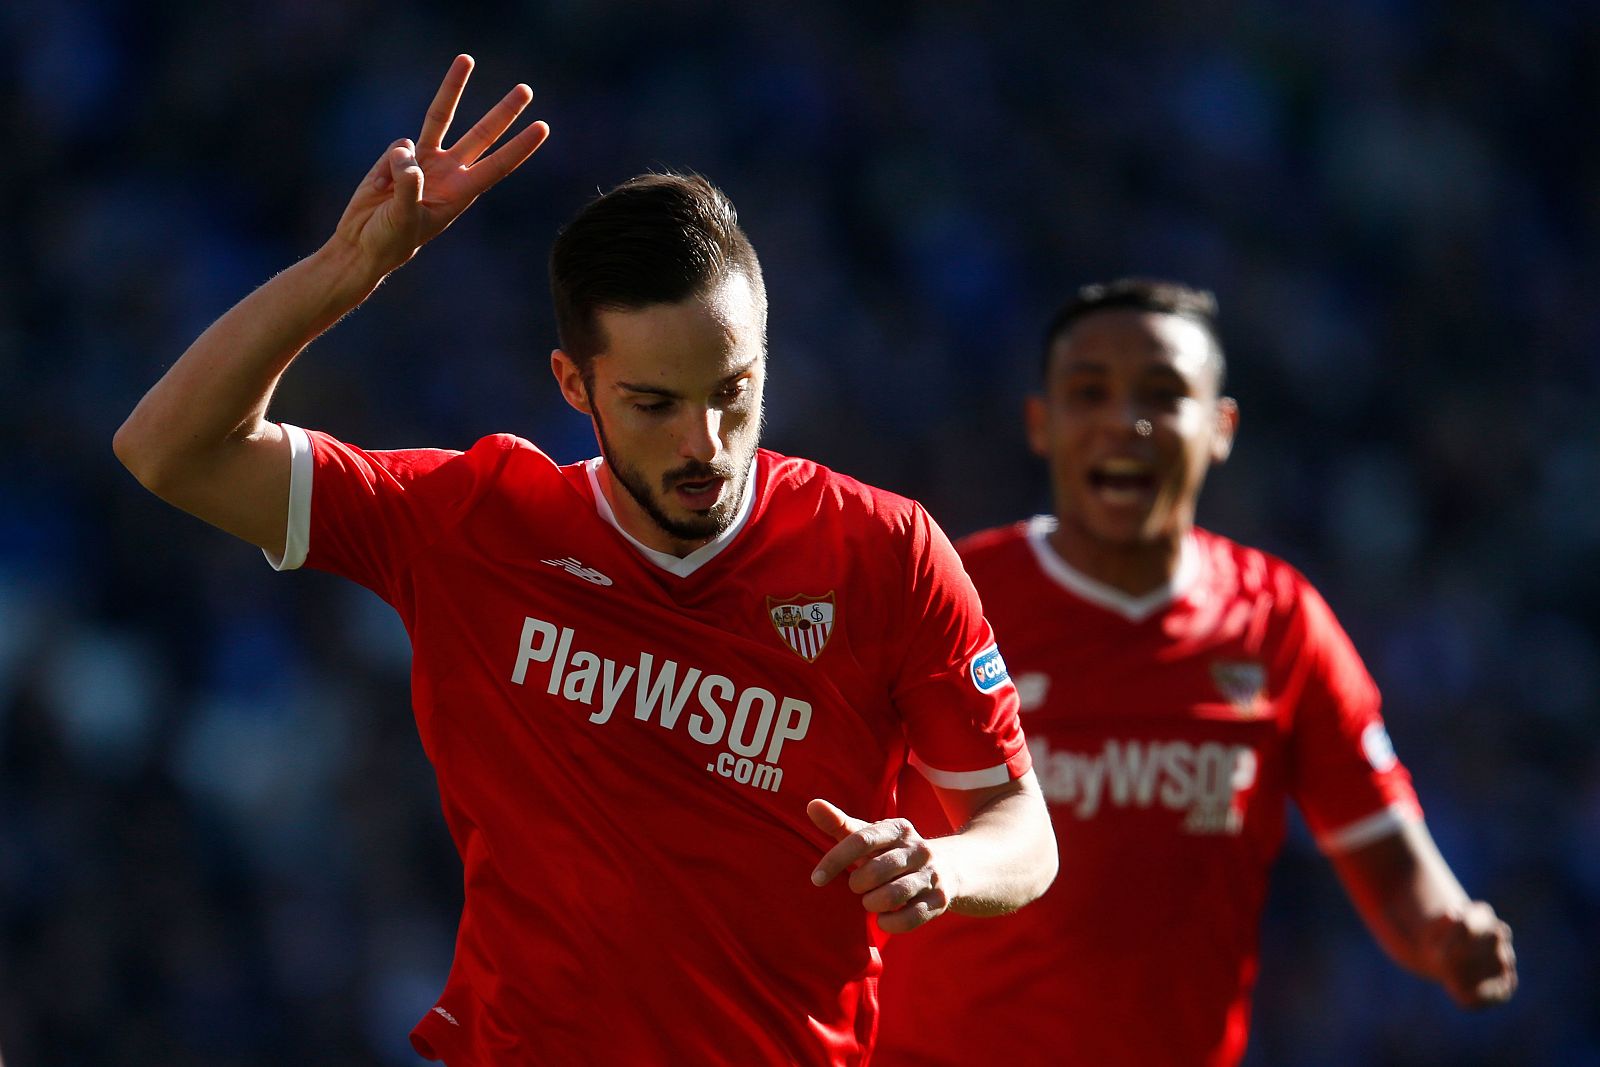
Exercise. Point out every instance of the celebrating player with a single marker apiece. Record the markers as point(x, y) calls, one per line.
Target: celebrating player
point(1177, 687)
point(630, 674)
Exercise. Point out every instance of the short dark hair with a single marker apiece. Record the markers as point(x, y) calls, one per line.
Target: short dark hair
point(1140, 294)
point(654, 239)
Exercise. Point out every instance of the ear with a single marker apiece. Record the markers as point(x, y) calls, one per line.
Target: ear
point(570, 379)
point(1227, 426)
point(1035, 420)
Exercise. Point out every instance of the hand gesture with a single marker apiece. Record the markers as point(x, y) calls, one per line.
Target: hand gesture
point(418, 188)
point(1470, 953)
point(890, 865)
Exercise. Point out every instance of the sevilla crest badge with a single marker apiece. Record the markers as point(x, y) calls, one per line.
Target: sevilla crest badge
point(1244, 684)
point(804, 622)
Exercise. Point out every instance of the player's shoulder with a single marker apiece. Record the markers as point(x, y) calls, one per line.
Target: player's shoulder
point(497, 446)
point(1256, 574)
point(996, 542)
point(1009, 558)
point(804, 485)
point(497, 453)
point(500, 466)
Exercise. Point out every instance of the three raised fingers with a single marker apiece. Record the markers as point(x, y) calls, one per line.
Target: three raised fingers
point(480, 173)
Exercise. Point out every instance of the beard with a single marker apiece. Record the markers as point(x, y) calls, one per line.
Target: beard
point(697, 526)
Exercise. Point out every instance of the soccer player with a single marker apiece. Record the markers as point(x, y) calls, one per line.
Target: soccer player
point(1177, 687)
point(631, 673)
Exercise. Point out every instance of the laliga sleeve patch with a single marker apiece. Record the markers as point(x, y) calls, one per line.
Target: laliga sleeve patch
point(988, 670)
point(1377, 747)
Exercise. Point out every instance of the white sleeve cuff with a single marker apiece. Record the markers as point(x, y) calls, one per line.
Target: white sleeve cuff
point(297, 539)
point(1374, 827)
point(989, 776)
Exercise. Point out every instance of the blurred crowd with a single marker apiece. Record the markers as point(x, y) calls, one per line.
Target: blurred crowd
point(219, 838)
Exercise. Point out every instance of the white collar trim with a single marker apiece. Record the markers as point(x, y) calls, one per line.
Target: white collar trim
point(1132, 608)
point(682, 566)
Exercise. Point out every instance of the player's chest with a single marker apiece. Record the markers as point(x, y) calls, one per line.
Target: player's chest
point(573, 614)
point(1185, 734)
point(1221, 688)
point(745, 683)
point(1078, 668)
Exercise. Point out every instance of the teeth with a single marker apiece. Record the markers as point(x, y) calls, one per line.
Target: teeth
point(1124, 466)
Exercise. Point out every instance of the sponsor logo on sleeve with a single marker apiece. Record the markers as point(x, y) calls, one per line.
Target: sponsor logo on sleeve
point(988, 670)
point(1377, 747)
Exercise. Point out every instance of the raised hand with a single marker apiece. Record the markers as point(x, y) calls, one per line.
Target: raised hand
point(416, 189)
point(1470, 952)
point(891, 867)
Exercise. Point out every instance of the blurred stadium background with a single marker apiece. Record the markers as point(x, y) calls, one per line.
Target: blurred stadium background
point(218, 835)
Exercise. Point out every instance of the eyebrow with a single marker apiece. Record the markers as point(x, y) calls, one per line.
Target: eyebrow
point(656, 390)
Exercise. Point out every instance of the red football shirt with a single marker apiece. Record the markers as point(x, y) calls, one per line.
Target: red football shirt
point(625, 741)
point(1166, 733)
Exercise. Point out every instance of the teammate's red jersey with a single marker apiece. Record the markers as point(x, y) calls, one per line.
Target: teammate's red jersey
point(625, 741)
point(1166, 732)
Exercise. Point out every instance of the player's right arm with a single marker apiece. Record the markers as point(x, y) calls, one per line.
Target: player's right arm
point(200, 438)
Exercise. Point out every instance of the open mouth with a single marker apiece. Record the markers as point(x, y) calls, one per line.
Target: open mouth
point(1123, 481)
point(699, 495)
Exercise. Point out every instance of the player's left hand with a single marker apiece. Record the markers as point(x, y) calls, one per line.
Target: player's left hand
point(1470, 953)
point(891, 867)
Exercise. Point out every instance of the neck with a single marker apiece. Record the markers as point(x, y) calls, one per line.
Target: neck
point(637, 523)
point(1135, 568)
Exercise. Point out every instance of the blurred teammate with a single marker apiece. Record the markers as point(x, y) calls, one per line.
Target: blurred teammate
point(1177, 688)
point(631, 673)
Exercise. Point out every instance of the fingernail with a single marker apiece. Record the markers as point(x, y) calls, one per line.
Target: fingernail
point(818, 876)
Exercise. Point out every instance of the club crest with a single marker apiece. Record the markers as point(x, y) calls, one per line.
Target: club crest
point(1244, 685)
point(804, 622)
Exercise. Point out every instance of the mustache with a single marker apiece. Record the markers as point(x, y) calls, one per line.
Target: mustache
point(695, 472)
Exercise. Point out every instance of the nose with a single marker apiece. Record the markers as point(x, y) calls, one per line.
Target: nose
point(1124, 417)
point(701, 439)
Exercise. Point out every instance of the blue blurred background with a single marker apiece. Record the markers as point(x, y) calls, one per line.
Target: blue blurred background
point(219, 841)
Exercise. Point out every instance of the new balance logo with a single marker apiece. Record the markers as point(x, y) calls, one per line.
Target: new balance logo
point(572, 566)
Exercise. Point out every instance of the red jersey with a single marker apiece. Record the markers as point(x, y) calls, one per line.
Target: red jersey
point(625, 741)
point(1166, 732)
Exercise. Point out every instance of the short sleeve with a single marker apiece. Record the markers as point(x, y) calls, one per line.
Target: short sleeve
point(1349, 783)
point(365, 515)
point(953, 692)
